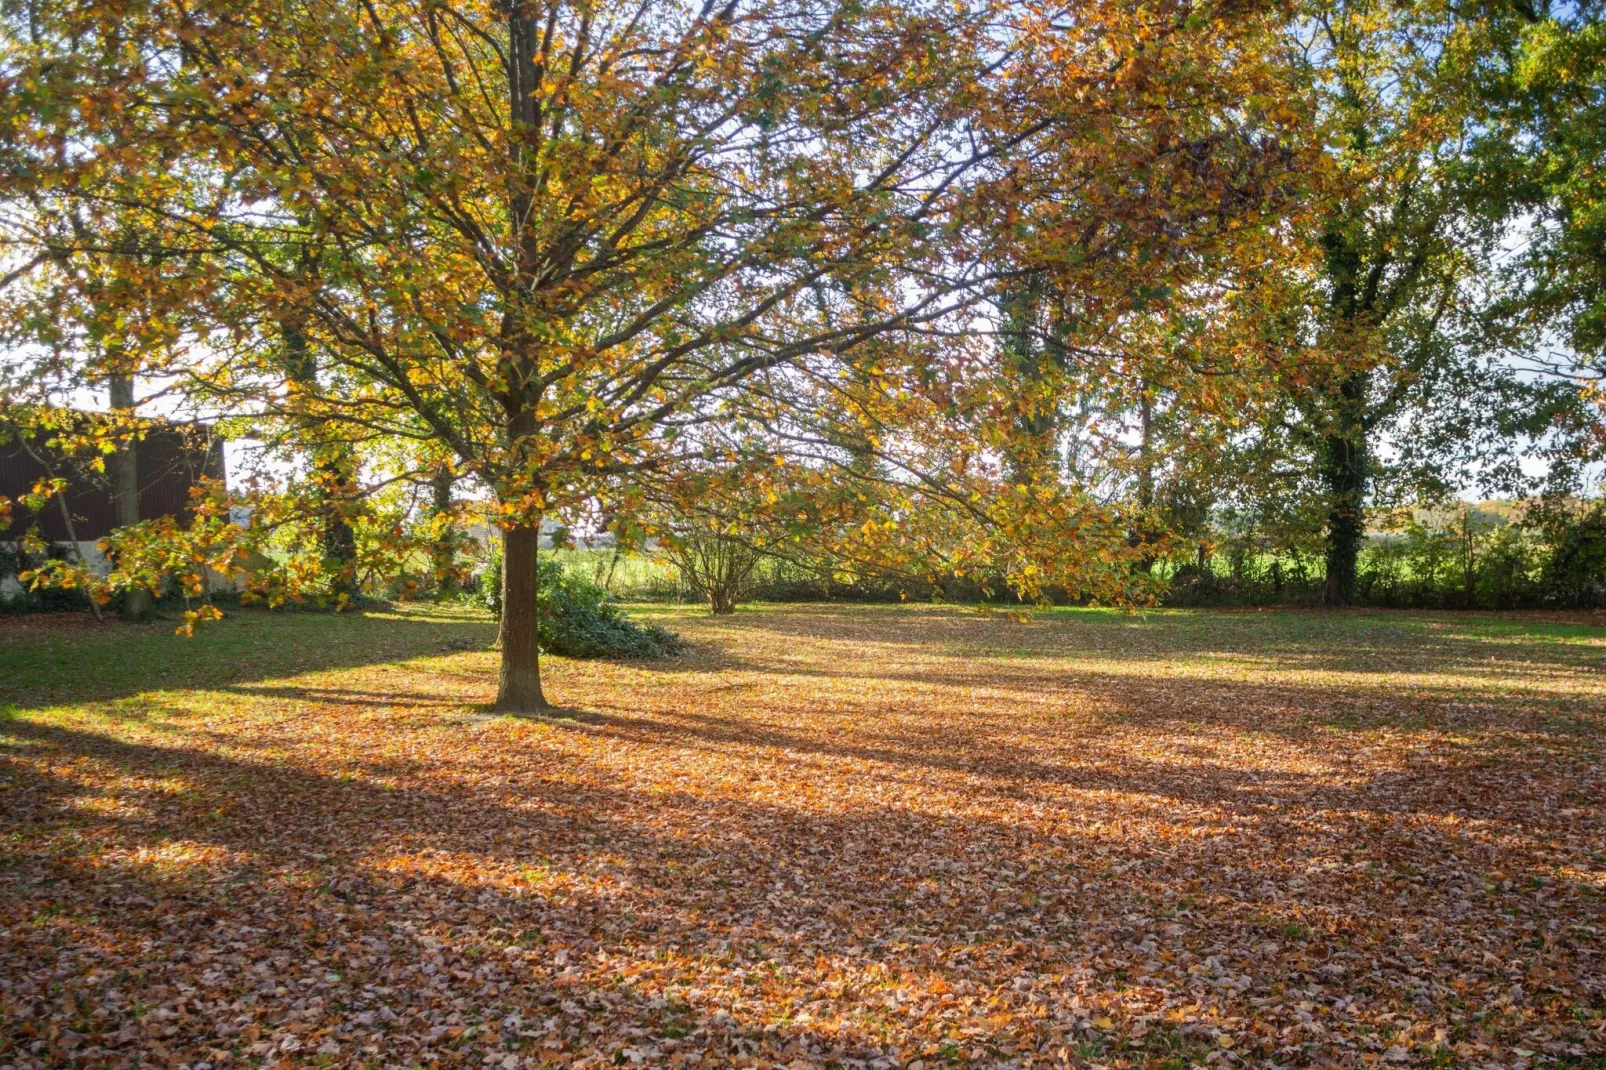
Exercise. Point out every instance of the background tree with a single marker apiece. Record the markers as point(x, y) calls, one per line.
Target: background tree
point(716, 565)
point(1119, 213)
point(105, 281)
point(1394, 333)
point(1548, 110)
point(1551, 109)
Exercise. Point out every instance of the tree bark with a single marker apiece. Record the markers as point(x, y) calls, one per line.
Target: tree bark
point(123, 468)
point(1345, 474)
point(443, 552)
point(1345, 470)
point(1031, 449)
point(332, 469)
point(1145, 448)
point(1147, 535)
point(519, 682)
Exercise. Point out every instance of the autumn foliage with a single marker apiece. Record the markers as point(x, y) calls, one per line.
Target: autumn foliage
point(600, 256)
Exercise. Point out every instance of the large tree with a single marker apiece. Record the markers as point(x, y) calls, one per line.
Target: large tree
point(1130, 237)
point(1549, 110)
point(549, 235)
point(98, 289)
point(1411, 217)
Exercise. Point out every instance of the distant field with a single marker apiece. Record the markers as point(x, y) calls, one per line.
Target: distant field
point(852, 836)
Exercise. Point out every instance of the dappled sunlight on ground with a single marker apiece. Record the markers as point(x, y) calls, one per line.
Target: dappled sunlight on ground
point(828, 835)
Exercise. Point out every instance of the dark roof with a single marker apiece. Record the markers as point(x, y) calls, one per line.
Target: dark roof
point(169, 459)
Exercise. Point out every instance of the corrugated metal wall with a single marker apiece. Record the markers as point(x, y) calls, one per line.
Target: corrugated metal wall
point(170, 459)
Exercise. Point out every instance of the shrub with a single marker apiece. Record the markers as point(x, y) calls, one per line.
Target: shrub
point(717, 567)
point(1504, 577)
point(14, 560)
point(1575, 574)
point(1518, 555)
point(1190, 585)
point(486, 585)
point(578, 619)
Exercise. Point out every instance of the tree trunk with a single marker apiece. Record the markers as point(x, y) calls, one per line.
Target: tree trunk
point(332, 472)
point(519, 683)
point(1345, 474)
point(1147, 535)
point(443, 551)
point(333, 469)
point(1145, 448)
point(123, 466)
point(1030, 452)
point(1345, 468)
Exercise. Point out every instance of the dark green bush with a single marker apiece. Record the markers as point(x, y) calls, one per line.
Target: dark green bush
point(1575, 574)
point(1505, 576)
point(485, 588)
point(47, 599)
point(577, 618)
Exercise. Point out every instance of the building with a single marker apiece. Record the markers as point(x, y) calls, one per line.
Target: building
point(170, 459)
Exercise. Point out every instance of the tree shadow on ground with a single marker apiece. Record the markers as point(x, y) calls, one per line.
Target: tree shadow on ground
point(1043, 759)
point(306, 873)
point(749, 856)
point(1097, 700)
point(322, 909)
point(117, 662)
point(1366, 643)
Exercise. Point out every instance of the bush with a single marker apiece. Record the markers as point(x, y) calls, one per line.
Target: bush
point(717, 567)
point(1504, 576)
point(485, 587)
point(13, 560)
point(577, 618)
point(1191, 585)
point(1535, 554)
point(1575, 574)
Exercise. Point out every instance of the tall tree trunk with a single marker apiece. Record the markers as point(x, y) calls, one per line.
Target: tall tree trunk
point(518, 687)
point(1345, 469)
point(124, 470)
point(1147, 535)
point(1346, 473)
point(443, 549)
point(332, 473)
point(1031, 448)
point(1146, 448)
point(519, 683)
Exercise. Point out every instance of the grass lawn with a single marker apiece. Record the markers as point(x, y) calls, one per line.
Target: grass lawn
point(862, 836)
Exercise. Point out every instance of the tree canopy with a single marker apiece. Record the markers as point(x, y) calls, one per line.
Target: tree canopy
point(988, 289)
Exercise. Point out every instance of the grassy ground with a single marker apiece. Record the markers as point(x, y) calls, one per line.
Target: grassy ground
point(864, 836)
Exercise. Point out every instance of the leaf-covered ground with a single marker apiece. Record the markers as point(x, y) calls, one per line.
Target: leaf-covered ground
point(854, 836)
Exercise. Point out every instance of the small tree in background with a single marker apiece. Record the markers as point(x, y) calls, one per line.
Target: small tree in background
point(718, 567)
